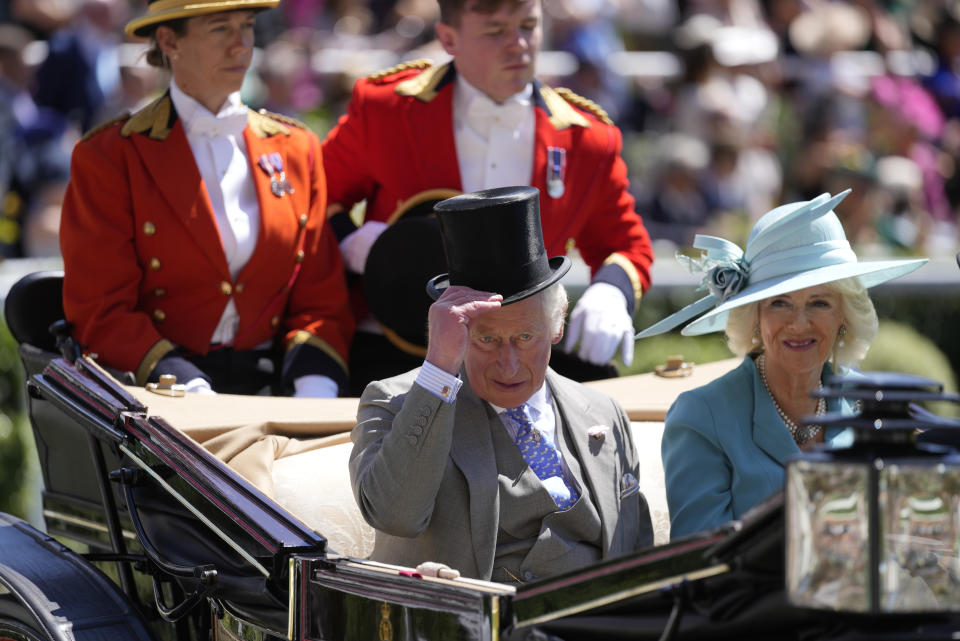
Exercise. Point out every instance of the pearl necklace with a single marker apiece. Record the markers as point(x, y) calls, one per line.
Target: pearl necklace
point(800, 433)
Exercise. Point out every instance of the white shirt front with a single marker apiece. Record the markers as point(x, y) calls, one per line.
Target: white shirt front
point(494, 141)
point(221, 156)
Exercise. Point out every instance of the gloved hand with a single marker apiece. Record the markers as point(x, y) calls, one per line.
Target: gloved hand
point(198, 386)
point(315, 386)
point(600, 322)
point(355, 247)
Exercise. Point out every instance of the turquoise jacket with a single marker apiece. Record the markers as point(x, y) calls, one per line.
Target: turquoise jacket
point(724, 448)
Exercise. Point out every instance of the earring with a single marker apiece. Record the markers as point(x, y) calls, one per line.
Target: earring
point(756, 336)
point(840, 334)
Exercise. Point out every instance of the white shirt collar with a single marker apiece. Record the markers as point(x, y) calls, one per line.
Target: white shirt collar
point(538, 403)
point(471, 93)
point(191, 112)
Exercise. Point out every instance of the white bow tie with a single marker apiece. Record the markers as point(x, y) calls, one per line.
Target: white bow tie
point(231, 123)
point(482, 112)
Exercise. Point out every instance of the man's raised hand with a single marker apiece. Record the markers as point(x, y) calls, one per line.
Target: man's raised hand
point(449, 324)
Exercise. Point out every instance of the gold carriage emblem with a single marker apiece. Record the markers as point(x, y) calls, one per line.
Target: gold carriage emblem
point(385, 628)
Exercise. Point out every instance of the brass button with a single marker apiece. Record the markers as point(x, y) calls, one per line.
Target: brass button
point(303, 220)
point(155, 264)
point(239, 288)
point(159, 315)
point(275, 321)
point(149, 229)
point(300, 256)
point(159, 291)
point(226, 288)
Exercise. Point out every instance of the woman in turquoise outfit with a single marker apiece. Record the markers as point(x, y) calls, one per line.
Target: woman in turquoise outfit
point(794, 304)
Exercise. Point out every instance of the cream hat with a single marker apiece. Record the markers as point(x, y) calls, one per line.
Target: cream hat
point(792, 247)
point(165, 10)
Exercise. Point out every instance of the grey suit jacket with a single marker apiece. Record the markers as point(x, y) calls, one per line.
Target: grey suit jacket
point(424, 474)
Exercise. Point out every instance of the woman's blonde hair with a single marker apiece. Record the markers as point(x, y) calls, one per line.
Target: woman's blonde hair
point(859, 322)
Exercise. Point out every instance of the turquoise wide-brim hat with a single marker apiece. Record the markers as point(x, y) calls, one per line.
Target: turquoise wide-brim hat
point(792, 247)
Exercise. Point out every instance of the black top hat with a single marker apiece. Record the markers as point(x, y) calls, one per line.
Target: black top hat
point(406, 254)
point(494, 243)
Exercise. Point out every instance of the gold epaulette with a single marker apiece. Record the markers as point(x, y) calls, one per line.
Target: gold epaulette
point(287, 120)
point(105, 125)
point(421, 63)
point(265, 123)
point(584, 103)
point(152, 121)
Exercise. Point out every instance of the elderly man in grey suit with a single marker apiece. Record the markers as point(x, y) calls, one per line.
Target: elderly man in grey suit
point(484, 459)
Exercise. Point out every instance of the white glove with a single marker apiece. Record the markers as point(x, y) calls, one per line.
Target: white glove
point(315, 386)
point(601, 316)
point(198, 386)
point(434, 568)
point(356, 246)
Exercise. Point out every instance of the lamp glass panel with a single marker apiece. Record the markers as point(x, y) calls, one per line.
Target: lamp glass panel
point(826, 537)
point(920, 548)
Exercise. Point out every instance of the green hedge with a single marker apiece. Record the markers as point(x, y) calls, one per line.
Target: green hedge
point(900, 348)
point(18, 460)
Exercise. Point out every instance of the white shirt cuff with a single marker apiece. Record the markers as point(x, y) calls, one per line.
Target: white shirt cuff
point(438, 382)
point(315, 386)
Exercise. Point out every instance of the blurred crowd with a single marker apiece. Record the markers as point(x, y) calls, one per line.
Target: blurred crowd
point(728, 107)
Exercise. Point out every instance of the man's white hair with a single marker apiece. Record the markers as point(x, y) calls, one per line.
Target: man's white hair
point(554, 301)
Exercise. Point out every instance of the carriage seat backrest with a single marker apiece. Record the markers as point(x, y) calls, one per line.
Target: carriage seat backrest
point(32, 305)
point(330, 508)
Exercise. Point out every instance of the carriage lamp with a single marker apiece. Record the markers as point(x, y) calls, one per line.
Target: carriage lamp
point(875, 527)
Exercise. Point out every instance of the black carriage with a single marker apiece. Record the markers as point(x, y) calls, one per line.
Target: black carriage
point(165, 519)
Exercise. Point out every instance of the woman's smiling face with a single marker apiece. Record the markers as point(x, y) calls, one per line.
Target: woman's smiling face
point(798, 329)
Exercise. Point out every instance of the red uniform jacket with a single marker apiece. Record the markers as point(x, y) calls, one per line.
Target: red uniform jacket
point(396, 140)
point(145, 271)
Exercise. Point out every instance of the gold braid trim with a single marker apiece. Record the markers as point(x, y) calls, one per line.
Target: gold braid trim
point(423, 86)
point(562, 115)
point(303, 336)
point(438, 194)
point(264, 123)
point(584, 103)
point(421, 63)
point(154, 118)
point(402, 344)
point(160, 349)
point(105, 125)
point(624, 263)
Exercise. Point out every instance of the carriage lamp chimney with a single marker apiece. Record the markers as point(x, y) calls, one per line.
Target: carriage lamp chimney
point(875, 527)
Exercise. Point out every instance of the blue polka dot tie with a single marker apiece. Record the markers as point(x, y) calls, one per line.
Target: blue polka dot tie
point(540, 455)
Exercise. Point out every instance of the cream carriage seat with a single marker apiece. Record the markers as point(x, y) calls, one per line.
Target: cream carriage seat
point(331, 509)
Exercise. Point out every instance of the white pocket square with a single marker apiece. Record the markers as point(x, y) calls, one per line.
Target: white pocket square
point(598, 431)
